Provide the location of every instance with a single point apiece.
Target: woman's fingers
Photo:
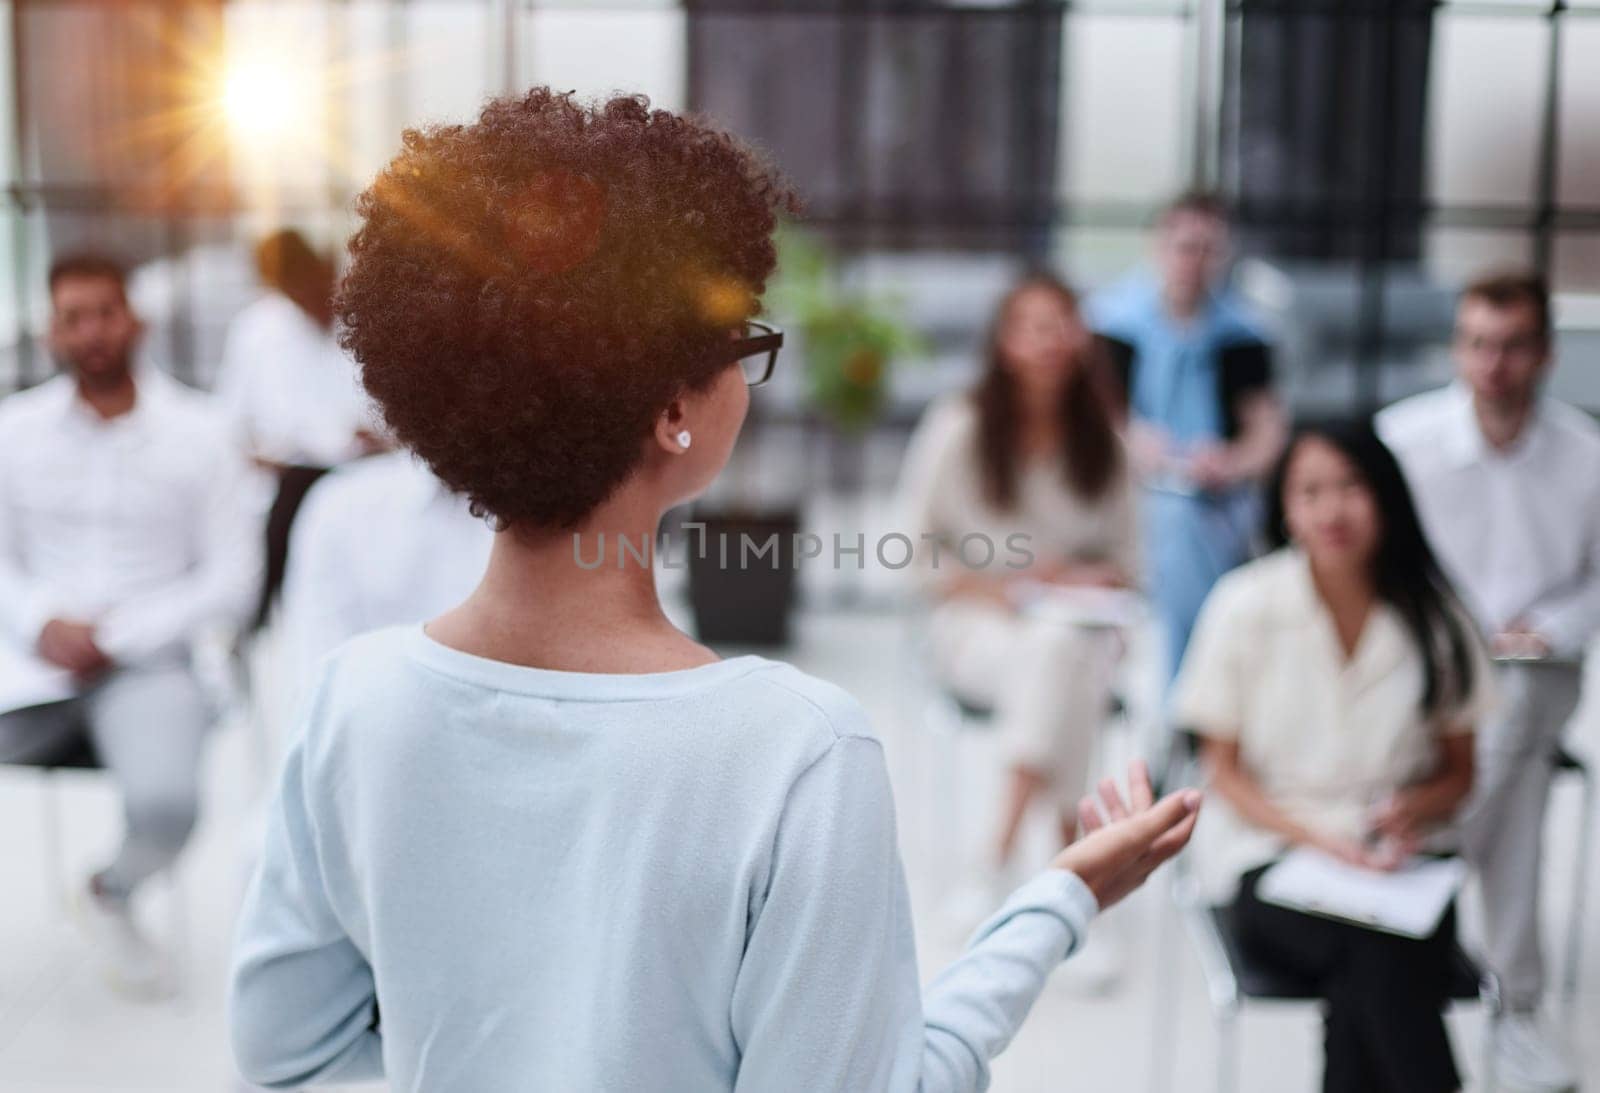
(1112, 800)
(1140, 795)
(1089, 818)
(1172, 814)
(1174, 838)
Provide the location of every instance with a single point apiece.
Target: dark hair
(526, 293)
(1510, 287)
(1090, 450)
(285, 261)
(1405, 572)
(1205, 203)
(90, 264)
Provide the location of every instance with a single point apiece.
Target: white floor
(61, 1030)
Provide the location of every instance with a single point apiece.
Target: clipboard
(26, 680)
(1409, 902)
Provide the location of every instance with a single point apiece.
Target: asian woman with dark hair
(1335, 684)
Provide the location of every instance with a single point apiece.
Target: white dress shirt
(292, 392)
(1519, 530)
(1325, 737)
(379, 542)
(134, 524)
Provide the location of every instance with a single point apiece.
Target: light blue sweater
(572, 881)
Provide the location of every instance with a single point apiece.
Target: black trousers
(294, 481)
(1384, 995)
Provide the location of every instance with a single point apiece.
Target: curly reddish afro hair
(528, 292)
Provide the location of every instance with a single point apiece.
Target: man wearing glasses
(1507, 481)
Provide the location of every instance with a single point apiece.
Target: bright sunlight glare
(261, 100)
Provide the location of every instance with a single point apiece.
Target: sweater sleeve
(828, 994)
(302, 1002)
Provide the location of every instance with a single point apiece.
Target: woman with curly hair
(546, 840)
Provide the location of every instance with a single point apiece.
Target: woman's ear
(672, 433)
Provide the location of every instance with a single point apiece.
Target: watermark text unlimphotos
(774, 550)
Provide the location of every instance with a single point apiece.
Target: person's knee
(162, 819)
(1065, 652)
(1385, 966)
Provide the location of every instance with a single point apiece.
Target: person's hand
(1398, 818)
(1384, 856)
(980, 587)
(1148, 448)
(71, 645)
(1211, 467)
(1085, 574)
(1123, 845)
(1519, 639)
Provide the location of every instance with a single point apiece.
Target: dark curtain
(903, 125)
(1330, 102)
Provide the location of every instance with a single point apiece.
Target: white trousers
(1502, 824)
(148, 725)
(1048, 683)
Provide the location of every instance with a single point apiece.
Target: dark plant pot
(749, 603)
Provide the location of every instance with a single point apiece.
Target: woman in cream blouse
(1335, 684)
(1024, 476)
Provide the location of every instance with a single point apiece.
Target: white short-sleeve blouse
(940, 502)
(1326, 737)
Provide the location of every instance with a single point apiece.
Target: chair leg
(55, 864)
(1168, 1012)
(178, 914)
(1580, 886)
(1489, 995)
(1228, 1050)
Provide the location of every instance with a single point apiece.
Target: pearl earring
(683, 438)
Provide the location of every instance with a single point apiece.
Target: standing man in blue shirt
(1203, 420)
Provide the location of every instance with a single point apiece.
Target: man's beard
(111, 374)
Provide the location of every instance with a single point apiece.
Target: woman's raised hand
(1124, 841)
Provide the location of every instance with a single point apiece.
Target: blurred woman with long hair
(1023, 477)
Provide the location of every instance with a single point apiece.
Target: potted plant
(844, 345)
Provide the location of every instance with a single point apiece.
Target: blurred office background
(1378, 152)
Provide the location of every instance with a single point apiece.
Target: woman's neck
(580, 600)
(1348, 593)
(1038, 428)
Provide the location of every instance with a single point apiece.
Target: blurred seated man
(380, 542)
(292, 392)
(1335, 684)
(1508, 484)
(122, 537)
(1204, 421)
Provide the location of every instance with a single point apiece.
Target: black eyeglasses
(756, 351)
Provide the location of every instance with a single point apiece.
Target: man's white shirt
(292, 392)
(379, 542)
(1517, 530)
(136, 524)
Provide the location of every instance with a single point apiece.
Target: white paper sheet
(25, 680)
(1113, 608)
(1409, 901)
